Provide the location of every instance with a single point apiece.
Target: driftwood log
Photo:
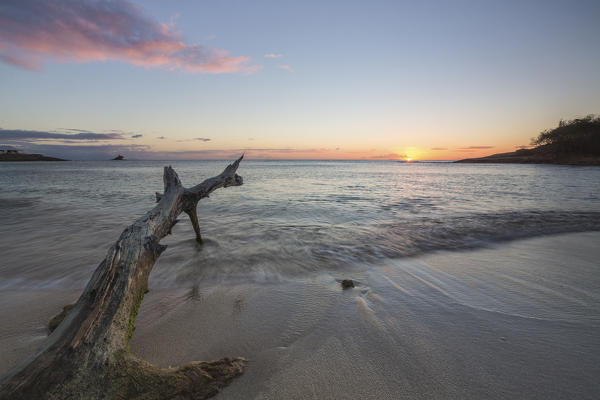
(87, 356)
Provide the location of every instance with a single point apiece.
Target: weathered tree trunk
(87, 355)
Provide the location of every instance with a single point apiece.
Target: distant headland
(12, 154)
(575, 142)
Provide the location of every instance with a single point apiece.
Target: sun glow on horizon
(409, 154)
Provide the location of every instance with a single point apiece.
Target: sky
(435, 80)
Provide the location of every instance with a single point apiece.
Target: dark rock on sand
(347, 283)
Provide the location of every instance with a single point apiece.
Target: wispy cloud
(86, 152)
(18, 60)
(99, 146)
(28, 135)
(476, 148)
(136, 136)
(439, 148)
(143, 152)
(82, 130)
(286, 67)
(273, 55)
(390, 156)
(99, 30)
(201, 139)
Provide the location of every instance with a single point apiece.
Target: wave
(413, 237)
(274, 249)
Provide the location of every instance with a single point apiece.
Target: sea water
(290, 218)
(472, 281)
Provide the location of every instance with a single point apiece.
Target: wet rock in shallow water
(347, 283)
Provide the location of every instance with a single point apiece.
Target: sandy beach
(520, 320)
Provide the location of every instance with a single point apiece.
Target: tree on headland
(577, 136)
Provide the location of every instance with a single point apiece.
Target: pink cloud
(273, 55)
(15, 59)
(286, 67)
(74, 31)
(476, 148)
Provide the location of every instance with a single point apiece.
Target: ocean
(289, 217)
(472, 281)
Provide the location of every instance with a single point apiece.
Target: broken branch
(87, 355)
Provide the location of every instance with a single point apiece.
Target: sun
(408, 154)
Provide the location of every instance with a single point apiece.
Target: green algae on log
(57, 319)
(87, 355)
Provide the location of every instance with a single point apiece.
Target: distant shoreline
(574, 142)
(27, 157)
(534, 156)
(500, 158)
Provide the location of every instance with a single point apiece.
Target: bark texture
(87, 355)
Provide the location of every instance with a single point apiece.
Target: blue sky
(363, 80)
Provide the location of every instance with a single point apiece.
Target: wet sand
(521, 320)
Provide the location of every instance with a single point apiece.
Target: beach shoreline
(519, 319)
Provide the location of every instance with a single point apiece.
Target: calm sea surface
(289, 218)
